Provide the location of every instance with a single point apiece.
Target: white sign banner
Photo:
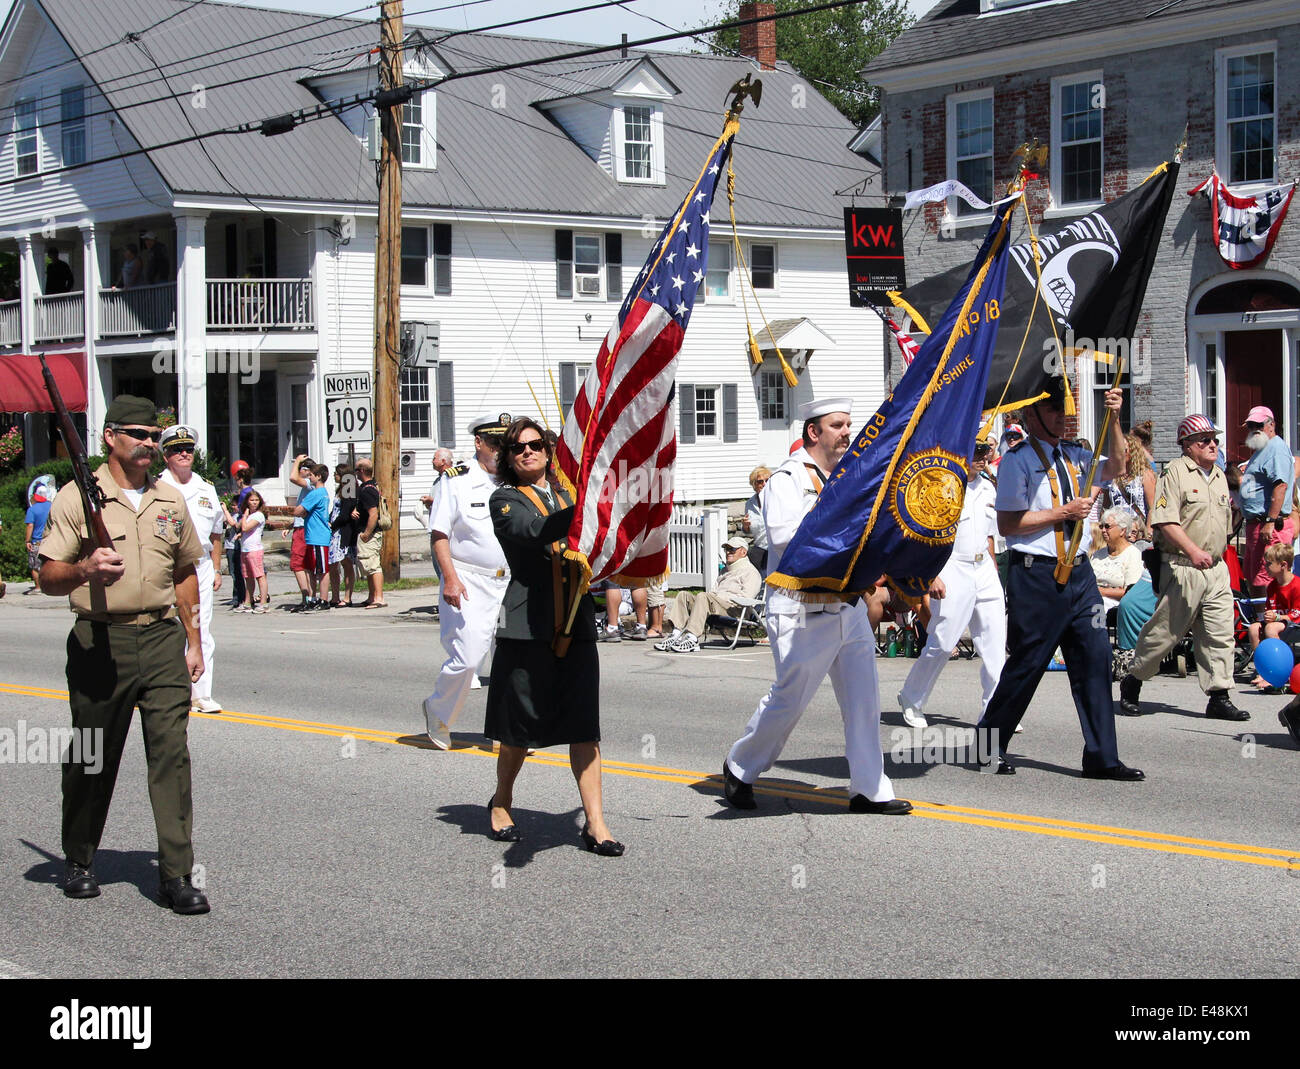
(950, 188)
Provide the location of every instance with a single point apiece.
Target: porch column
(29, 284)
(192, 324)
(96, 402)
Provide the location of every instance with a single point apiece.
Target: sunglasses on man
(138, 433)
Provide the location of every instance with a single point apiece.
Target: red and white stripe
(619, 445)
(906, 343)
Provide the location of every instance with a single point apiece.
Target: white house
(531, 198)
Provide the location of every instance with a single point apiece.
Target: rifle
(92, 495)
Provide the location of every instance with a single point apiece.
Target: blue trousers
(1042, 616)
(234, 560)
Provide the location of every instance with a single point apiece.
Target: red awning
(22, 387)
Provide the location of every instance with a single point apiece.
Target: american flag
(906, 342)
(619, 442)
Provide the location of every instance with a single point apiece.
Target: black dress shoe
(1116, 772)
(1130, 689)
(80, 882)
(1289, 718)
(895, 807)
(1002, 768)
(739, 793)
(183, 897)
(1220, 707)
(508, 834)
(608, 848)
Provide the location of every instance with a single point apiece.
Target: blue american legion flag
(892, 504)
(619, 443)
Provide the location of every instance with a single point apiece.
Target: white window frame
(20, 135)
(427, 101)
(1057, 174)
(428, 403)
(619, 122)
(70, 126)
(974, 218)
(1222, 142)
(702, 294)
(776, 267)
(716, 409)
(427, 285)
(599, 294)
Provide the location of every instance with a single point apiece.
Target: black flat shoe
(894, 807)
(80, 882)
(508, 834)
(609, 848)
(1122, 773)
(739, 793)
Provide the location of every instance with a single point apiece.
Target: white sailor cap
(813, 409)
(490, 423)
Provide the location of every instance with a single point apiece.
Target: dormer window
(419, 149)
(27, 146)
(639, 143)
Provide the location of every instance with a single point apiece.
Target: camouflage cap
(126, 409)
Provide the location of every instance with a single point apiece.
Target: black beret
(126, 409)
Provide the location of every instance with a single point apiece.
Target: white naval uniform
(811, 640)
(205, 513)
(974, 596)
(460, 511)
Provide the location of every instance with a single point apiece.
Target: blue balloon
(1274, 661)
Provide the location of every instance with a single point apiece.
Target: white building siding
(105, 190)
(589, 126)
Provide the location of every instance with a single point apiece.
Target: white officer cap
(489, 423)
(814, 409)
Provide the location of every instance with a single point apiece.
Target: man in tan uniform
(126, 647)
(1192, 519)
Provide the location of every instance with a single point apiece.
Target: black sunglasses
(535, 445)
(172, 450)
(983, 450)
(138, 433)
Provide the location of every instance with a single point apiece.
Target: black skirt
(536, 699)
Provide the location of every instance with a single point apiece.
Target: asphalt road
(332, 847)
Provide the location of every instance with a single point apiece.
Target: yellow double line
(984, 818)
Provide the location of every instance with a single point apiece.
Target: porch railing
(260, 304)
(60, 316)
(11, 322)
(139, 310)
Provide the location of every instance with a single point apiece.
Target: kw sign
(347, 408)
(873, 243)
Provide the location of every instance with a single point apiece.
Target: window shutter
(686, 406)
(564, 263)
(442, 258)
(568, 386)
(446, 406)
(613, 267)
(730, 413)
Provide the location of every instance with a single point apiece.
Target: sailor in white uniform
(178, 444)
(812, 639)
(474, 576)
(968, 593)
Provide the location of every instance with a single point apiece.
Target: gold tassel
(754, 353)
(791, 379)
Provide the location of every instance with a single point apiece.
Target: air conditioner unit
(589, 285)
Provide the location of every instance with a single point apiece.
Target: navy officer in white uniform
(812, 639)
(1039, 500)
(474, 576)
(966, 592)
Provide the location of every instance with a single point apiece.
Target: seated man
(688, 613)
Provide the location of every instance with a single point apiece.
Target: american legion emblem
(925, 496)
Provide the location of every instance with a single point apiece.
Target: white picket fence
(695, 537)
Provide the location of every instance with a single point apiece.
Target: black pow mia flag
(1095, 270)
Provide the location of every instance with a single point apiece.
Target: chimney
(624, 46)
(758, 40)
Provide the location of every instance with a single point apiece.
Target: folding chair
(751, 617)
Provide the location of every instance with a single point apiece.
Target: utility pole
(388, 277)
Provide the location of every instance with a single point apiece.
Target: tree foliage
(830, 48)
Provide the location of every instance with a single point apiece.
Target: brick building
(1110, 86)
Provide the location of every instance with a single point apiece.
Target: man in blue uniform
(1039, 501)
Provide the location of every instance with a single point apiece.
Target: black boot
(1220, 707)
(1130, 689)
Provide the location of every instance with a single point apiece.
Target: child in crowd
(343, 537)
(250, 525)
(1282, 605)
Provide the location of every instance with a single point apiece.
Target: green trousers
(111, 669)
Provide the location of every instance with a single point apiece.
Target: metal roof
(957, 28)
(790, 155)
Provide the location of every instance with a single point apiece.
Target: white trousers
(468, 635)
(807, 648)
(974, 599)
(208, 644)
